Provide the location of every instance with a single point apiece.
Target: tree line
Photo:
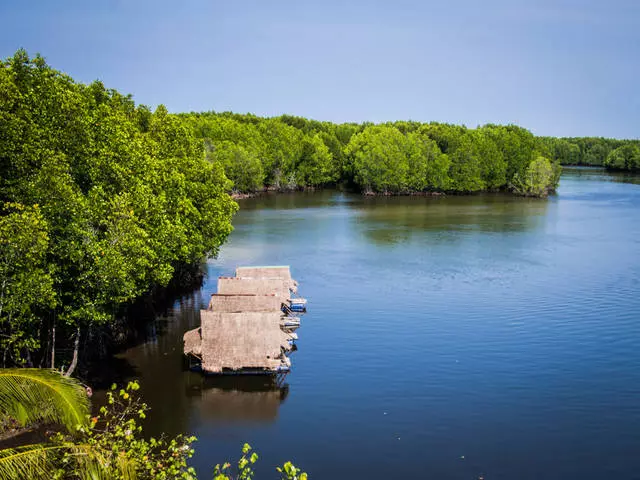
(101, 201)
(610, 153)
(288, 152)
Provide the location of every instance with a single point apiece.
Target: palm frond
(32, 394)
(39, 461)
(30, 461)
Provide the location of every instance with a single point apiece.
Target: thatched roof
(264, 272)
(243, 329)
(241, 340)
(245, 303)
(283, 272)
(254, 286)
(193, 342)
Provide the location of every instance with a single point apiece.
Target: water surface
(447, 337)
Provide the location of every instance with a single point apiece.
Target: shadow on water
(178, 394)
(236, 399)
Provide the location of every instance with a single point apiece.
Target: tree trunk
(74, 361)
(53, 344)
(28, 356)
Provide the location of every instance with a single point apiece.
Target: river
(448, 337)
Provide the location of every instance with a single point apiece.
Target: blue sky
(557, 67)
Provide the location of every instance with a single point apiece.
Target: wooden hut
(244, 329)
(242, 341)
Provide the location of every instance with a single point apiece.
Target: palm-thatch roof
(193, 342)
(254, 286)
(233, 341)
(245, 303)
(282, 272)
(243, 328)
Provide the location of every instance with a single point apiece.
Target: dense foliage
(394, 158)
(607, 152)
(109, 445)
(100, 200)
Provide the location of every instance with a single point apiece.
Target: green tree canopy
(626, 157)
(380, 159)
(124, 196)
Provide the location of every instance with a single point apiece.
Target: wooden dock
(248, 327)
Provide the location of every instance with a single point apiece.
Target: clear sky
(557, 67)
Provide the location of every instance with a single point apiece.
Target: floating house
(248, 327)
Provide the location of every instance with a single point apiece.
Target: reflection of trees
(171, 390)
(600, 175)
(624, 177)
(288, 201)
(394, 220)
(237, 399)
(156, 359)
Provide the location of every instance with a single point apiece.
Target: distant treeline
(405, 157)
(594, 151)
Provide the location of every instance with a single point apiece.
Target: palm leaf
(41, 460)
(31, 394)
(30, 461)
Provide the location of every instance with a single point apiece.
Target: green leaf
(31, 395)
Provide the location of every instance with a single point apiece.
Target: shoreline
(371, 194)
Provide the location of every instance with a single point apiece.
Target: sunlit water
(452, 337)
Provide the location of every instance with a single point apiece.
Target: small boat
(291, 322)
(298, 307)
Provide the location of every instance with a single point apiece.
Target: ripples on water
(447, 338)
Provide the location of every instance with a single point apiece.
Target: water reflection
(433, 321)
(236, 399)
(177, 395)
(399, 219)
(292, 201)
(598, 174)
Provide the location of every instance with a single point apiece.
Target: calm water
(446, 338)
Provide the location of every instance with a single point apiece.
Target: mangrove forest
(104, 202)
